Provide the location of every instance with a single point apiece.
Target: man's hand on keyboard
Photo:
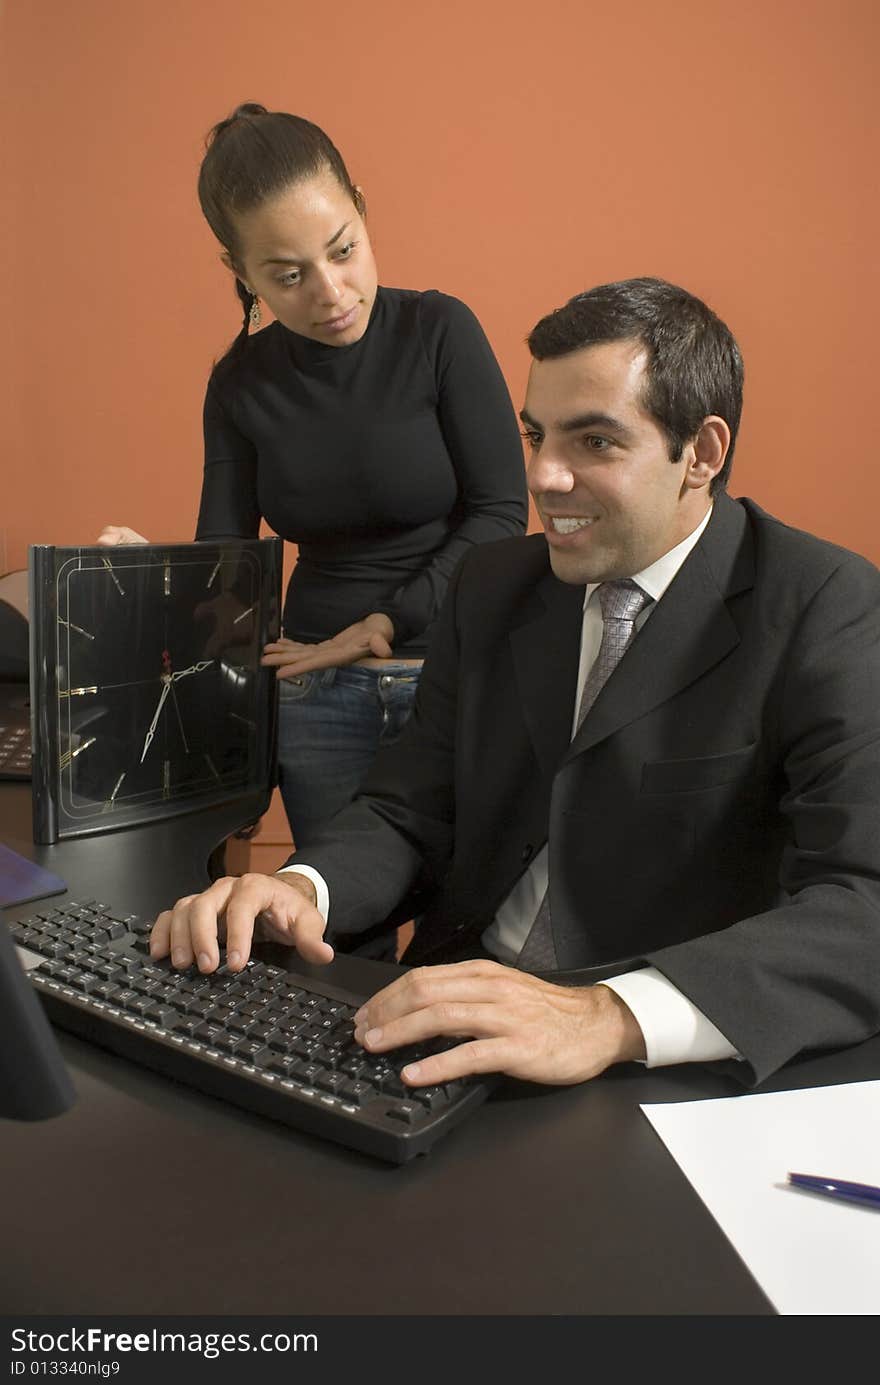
(238, 908)
(519, 1024)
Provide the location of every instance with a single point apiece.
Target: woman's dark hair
(694, 365)
(255, 154)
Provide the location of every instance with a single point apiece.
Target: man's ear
(707, 452)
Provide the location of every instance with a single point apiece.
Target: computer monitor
(34, 1083)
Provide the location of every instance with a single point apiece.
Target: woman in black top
(370, 426)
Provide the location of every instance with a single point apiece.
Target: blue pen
(863, 1193)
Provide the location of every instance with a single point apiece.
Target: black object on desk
(148, 696)
(273, 1041)
(22, 881)
(34, 1083)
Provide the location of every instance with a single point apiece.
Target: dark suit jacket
(717, 815)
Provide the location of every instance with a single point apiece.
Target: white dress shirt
(675, 1031)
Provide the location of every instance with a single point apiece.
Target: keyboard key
(283, 1064)
(97, 935)
(253, 1008)
(325, 1056)
(28, 937)
(261, 1058)
(406, 1111)
(353, 1065)
(154, 1012)
(331, 1082)
(431, 1097)
(189, 1024)
(240, 1024)
(358, 1093)
(153, 972)
(143, 985)
(262, 1031)
(220, 1013)
(208, 1033)
(393, 1086)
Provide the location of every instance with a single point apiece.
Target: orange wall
(512, 152)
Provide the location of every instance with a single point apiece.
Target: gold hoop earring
(255, 317)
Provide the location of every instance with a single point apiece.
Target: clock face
(160, 702)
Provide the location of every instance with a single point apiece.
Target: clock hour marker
(214, 573)
(167, 579)
(116, 786)
(166, 779)
(69, 755)
(109, 566)
(212, 768)
(248, 612)
(78, 628)
(77, 692)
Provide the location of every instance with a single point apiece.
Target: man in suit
(667, 706)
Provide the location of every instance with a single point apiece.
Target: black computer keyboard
(266, 1039)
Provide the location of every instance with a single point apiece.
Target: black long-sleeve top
(384, 461)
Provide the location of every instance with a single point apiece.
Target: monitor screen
(34, 1082)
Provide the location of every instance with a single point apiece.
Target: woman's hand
(117, 533)
(369, 638)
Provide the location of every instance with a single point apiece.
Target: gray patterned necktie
(621, 604)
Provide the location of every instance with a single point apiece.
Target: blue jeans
(330, 725)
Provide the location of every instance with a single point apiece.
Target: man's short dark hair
(694, 367)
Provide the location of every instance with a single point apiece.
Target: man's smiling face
(610, 499)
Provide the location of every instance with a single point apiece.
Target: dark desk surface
(148, 1198)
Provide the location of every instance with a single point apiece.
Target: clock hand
(194, 668)
(166, 681)
(180, 720)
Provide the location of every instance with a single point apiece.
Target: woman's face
(307, 254)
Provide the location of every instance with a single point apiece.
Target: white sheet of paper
(809, 1254)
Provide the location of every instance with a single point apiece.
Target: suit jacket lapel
(689, 632)
(546, 653)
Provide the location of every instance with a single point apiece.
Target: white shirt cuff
(675, 1031)
(320, 884)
